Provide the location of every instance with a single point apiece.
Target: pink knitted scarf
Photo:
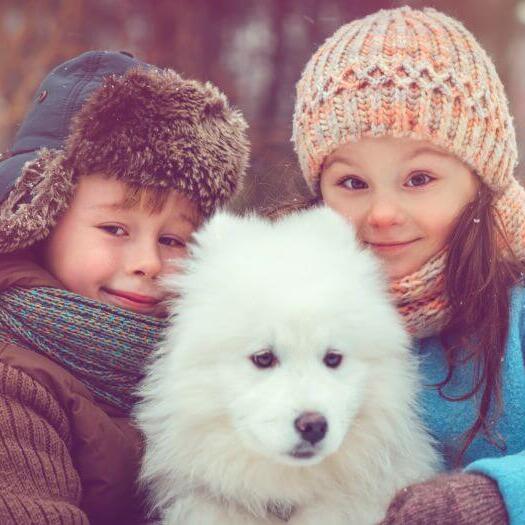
(421, 298)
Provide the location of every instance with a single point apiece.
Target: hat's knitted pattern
(405, 73)
(418, 74)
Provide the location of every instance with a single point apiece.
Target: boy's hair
(106, 112)
(149, 198)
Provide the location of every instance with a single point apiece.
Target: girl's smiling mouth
(390, 246)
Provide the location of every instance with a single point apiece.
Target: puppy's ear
(324, 223)
(229, 231)
(218, 229)
(212, 237)
(326, 218)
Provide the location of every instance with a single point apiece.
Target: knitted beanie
(405, 73)
(108, 112)
(409, 73)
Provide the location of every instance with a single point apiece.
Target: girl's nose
(385, 211)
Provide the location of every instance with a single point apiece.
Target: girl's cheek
(356, 218)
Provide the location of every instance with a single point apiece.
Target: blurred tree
(254, 50)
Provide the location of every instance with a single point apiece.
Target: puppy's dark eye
(264, 359)
(332, 359)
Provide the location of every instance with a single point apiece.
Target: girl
(402, 125)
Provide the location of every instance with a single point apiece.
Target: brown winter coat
(64, 458)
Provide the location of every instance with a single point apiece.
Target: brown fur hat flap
(40, 194)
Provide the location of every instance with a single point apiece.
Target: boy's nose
(385, 211)
(148, 262)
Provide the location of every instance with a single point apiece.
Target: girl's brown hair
(480, 270)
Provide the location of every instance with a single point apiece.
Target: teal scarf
(105, 347)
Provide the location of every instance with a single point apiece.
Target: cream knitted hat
(405, 73)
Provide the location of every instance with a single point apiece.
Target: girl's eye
(264, 359)
(332, 359)
(353, 183)
(172, 242)
(113, 229)
(419, 179)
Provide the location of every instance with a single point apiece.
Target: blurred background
(254, 50)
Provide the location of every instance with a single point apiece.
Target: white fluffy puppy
(284, 390)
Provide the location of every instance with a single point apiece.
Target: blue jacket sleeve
(509, 473)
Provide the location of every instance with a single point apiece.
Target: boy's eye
(353, 183)
(172, 242)
(113, 229)
(419, 179)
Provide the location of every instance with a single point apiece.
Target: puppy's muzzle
(312, 426)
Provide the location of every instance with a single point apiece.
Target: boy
(112, 170)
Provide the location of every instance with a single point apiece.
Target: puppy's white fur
(220, 431)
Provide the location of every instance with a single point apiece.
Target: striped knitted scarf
(421, 299)
(105, 347)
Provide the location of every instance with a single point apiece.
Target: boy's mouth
(138, 299)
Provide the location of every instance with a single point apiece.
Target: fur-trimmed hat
(109, 112)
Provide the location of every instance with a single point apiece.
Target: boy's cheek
(162, 311)
(174, 265)
(164, 307)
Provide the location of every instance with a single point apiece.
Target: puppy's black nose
(312, 426)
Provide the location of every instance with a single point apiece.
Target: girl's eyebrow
(340, 159)
(426, 150)
(423, 150)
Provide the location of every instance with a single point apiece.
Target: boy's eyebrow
(118, 206)
(189, 219)
(107, 206)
